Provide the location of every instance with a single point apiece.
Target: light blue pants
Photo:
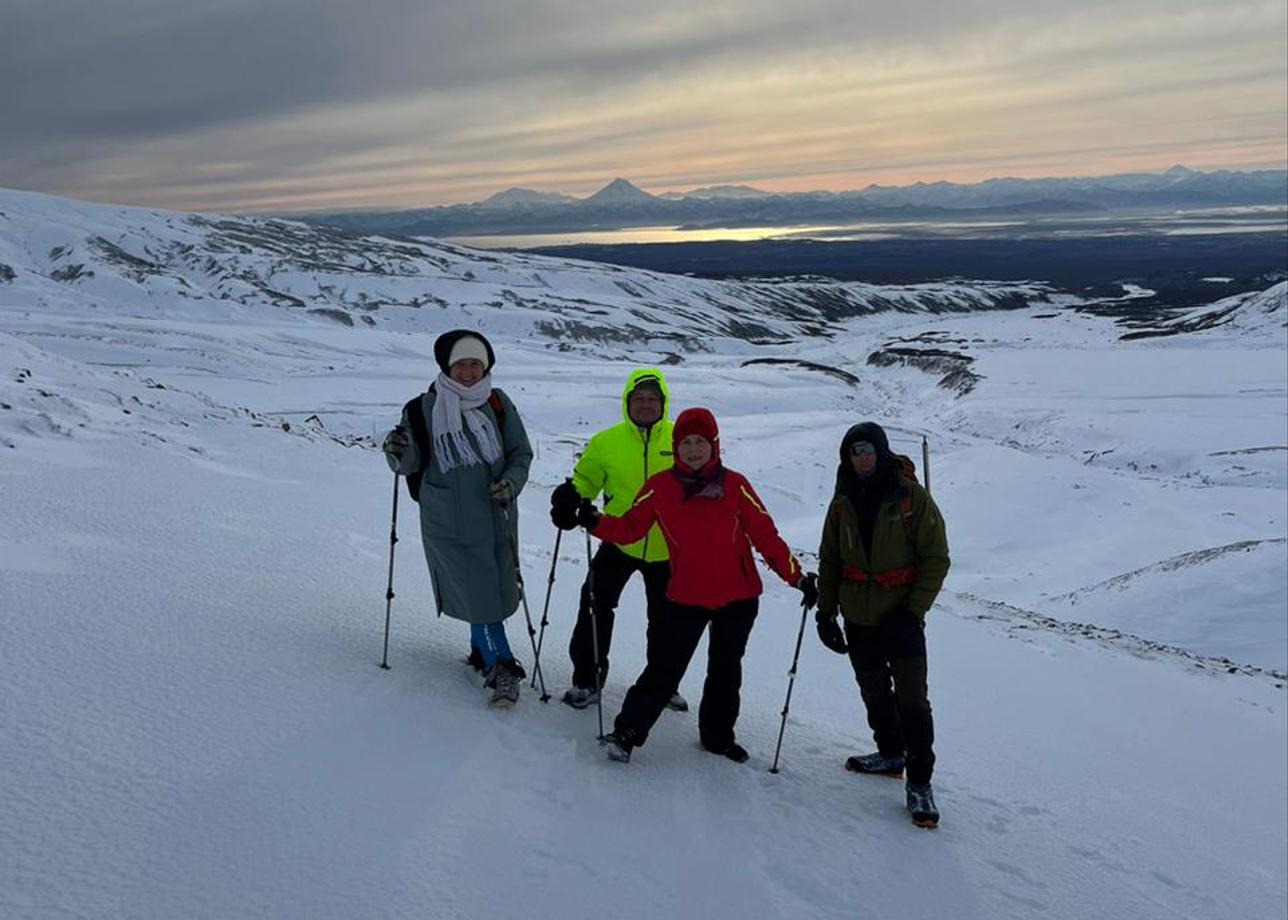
(490, 640)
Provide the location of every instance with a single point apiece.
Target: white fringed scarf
(457, 407)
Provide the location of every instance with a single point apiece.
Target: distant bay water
(1241, 220)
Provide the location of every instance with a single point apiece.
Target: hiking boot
(580, 697)
(876, 763)
(618, 746)
(921, 804)
(504, 680)
(475, 660)
(677, 703)
(733, 750)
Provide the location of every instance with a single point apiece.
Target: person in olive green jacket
(882, 560)
(616, 462)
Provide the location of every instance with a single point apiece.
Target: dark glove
(563, 505)
(501, 493)
(808, 587)
(829, 632)
(587, 516)
(396, 443)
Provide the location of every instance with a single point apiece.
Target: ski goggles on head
(862, 448)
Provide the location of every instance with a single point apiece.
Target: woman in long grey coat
(469, 454)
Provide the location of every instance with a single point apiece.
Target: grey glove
(501, 493)
(396, 443)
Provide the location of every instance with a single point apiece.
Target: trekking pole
(925, 463)
(389, 589)
(791, 682)
(594, 636)
(523, 596)
(545, 608)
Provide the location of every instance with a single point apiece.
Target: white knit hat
(468, 346)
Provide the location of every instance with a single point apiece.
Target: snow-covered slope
(1242, 316)
(193, 554)
(145, 262)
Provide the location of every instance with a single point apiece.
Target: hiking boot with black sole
(617, 748)
(876, 764)
(733, 750)
(580, 697)
(921, 805)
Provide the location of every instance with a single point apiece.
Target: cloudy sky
(288, 105)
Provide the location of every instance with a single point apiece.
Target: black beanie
(444, 343)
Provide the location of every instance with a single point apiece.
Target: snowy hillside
(1258, 313)
(193, 555)
(149, 261)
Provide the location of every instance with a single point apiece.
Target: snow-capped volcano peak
(621, 191)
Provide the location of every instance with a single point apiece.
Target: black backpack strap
(415, 412)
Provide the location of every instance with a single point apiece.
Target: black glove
(587, 516)
(829, 632)
(808, 587)
(563, 505)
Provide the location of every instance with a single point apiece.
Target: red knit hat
(697, 421)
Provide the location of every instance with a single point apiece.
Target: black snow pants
(611, 569)
(668, 659)
(890, 666)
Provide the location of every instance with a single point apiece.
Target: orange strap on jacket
(894, 578)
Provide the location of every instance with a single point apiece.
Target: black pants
(668, 659)
(890, 666)
(611, 569)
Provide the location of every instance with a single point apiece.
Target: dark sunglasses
(859, 448)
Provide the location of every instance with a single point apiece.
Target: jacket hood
(638, 376)
(701, 422)
(846, 479)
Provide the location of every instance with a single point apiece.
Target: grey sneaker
(617, 747)
(876, 763)
(677, 703)
(580, 697)
(921, 804)
(504, 680)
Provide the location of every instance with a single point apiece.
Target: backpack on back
(909, 470)
(415, 412)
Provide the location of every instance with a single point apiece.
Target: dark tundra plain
(1180, 270)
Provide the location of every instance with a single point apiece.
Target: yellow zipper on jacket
(648, 433)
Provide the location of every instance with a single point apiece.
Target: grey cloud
(91, 68)
(248, 85)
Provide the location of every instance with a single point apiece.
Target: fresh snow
(195, 543)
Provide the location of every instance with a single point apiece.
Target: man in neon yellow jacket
(616, 462)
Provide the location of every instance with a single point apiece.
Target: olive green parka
(917, 539)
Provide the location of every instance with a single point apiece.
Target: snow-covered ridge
(1255, 315)
(53, 249)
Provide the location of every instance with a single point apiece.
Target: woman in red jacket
(710, 518)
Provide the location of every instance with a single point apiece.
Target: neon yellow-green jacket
(617, 460)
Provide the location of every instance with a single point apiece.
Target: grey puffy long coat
(470, 554)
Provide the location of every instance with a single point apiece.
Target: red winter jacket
(709, 539)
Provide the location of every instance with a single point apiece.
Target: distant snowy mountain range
(52, 249)
(622, 204)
